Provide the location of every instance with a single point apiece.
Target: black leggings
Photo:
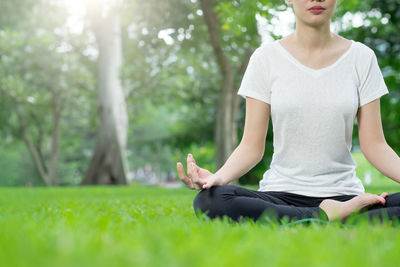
(238, 202)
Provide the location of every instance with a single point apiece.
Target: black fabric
(238, 202)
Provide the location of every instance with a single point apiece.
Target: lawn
(151, 226)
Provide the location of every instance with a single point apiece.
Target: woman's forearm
(242, 159)
(384, 159)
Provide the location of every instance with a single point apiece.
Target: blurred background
(116, 92)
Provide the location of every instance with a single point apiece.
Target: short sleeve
(255, 79)
(372, 85)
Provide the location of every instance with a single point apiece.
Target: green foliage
(141, 226)
(160, 135)
(172, 90)
(204, 155)
(43, 68)
(16, 165)
(37, 77)
(10, 164)
(239, 24)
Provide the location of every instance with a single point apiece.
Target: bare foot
(342, 209)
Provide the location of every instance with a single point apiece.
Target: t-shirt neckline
(314, 72)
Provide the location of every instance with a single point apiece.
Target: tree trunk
(225, 134)
(108, 163)
(55, 139)
(228, 102)
(34, 150)
(37, 159)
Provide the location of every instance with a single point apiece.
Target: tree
(108, 163)
(232, 30)
(43, 79)
(37, 84)
(238, 18)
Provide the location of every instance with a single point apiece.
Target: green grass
(149, 226)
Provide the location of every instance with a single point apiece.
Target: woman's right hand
(198, 178)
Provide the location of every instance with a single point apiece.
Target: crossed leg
(236, 202)
(390, 211)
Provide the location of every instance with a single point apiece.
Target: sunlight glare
(77, 11)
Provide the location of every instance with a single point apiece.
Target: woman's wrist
(222, 180)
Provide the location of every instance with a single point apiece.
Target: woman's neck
(313, 38)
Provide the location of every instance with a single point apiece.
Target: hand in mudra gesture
(198, 178)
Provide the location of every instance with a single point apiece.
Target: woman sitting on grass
(313, 83)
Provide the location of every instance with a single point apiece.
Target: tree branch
(38, 159)
(212, 23)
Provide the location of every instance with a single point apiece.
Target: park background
(170, 80)
(114, 92)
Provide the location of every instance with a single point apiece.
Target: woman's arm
(373, 143)
(246, 155)
(251, 147)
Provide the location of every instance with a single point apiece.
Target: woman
(313, 83)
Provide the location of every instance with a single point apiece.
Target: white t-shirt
(313, 114)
